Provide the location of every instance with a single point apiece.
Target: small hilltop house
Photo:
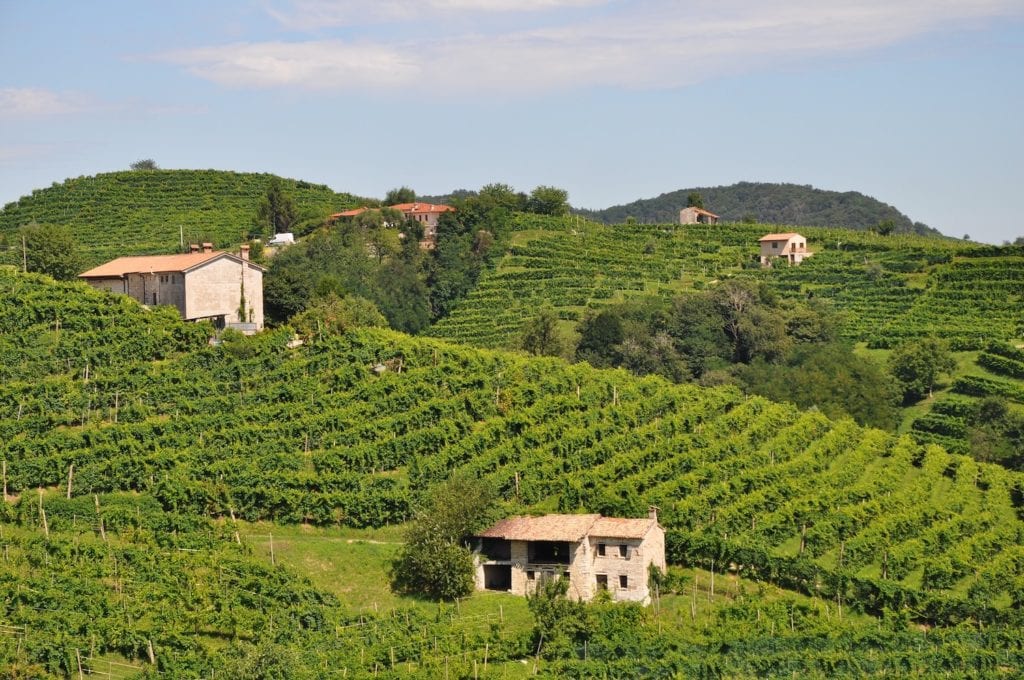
(694, 215)
(202, 284)
(593, 552)
(427, 214)
(791, 247)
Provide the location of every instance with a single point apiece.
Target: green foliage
(50, 249)
(400, 195)
(276, 212)
(694, 199)
(144, 164)
(541, 335)
(334, 314)
(434, 562)
(918, 365)
(548, 200)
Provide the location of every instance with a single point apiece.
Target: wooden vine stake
(5, 478)
(42, 514)
(71, 475)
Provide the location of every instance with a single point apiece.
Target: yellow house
(790, 246)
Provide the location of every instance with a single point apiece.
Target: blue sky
(918, 103)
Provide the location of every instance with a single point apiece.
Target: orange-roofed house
(791, 247)
(202, 284)
(694, 215)
(593, 552)
(427, 214)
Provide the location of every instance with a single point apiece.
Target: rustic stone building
(202, 284)
(426, 214)
(694, 215)
(791, 247)
(593, 552)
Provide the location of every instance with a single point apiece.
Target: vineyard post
(78, 657)
(273, 562)
(5, 479)
(71, 475)
(96, 500)
(24, 255)
(42, 514)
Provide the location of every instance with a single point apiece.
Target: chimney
(244, 252)
(207, 247)
(652, 512)
(193, 247)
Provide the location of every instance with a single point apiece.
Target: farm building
(694, 215)
(791, 247)
(202, 284)
(593, 552)
(427, 214)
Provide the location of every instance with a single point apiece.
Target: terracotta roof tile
(779, 237)
(544, 528)
(619, 527)
(150, 263)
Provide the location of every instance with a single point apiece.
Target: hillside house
(694, 215)
(202, 284)
(594, 552)
(791, 247)
(427, 214)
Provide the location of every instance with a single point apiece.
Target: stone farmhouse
(593, 552)
(427, 214)
(202, 284)
(790, 246)
(693, 215)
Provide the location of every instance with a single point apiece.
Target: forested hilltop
(150, 211)
(769, 203)
(135, 454)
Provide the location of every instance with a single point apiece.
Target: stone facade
(203, 284)
(693, 215)
(592, 552)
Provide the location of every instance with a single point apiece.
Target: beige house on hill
(693, 215)
(593, 552)
(202, 284)
(790, 246)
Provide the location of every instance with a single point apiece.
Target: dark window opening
(565, 575)
(497, 577)
(549, 552)
(623, 551)
(623, 581)
(600, 549)
(602, 581)
(496, 549)
(530, 574)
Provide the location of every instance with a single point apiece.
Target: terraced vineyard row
(142, 212)
(314, 434)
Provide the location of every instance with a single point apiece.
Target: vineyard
(126, 416)
(147, 212)
(888, 288)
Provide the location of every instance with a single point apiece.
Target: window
(600, 549)
(624, 551)
(565, 575)
(602, 581)
(775, 245)
(623, 581)
(530, 575)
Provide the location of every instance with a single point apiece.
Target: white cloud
(316, 14)
(645, 44)
(33, 102)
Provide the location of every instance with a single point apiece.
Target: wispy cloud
(318, 14)
(645, 44)
(33, 102)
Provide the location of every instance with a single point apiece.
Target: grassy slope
(144, 212)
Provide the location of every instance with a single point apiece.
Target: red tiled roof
(421, 208)
(619, 527)
(150, 263)
(349, 213)
(544, 528)
(702, 211)
(568, 528)
(779, 237)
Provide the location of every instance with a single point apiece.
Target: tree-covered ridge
(147, 211)
(888, 288)
(768, 203)
(314, 434)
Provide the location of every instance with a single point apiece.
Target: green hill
(149, 211)
(146, 454)
(889, 288)
(768, 203)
